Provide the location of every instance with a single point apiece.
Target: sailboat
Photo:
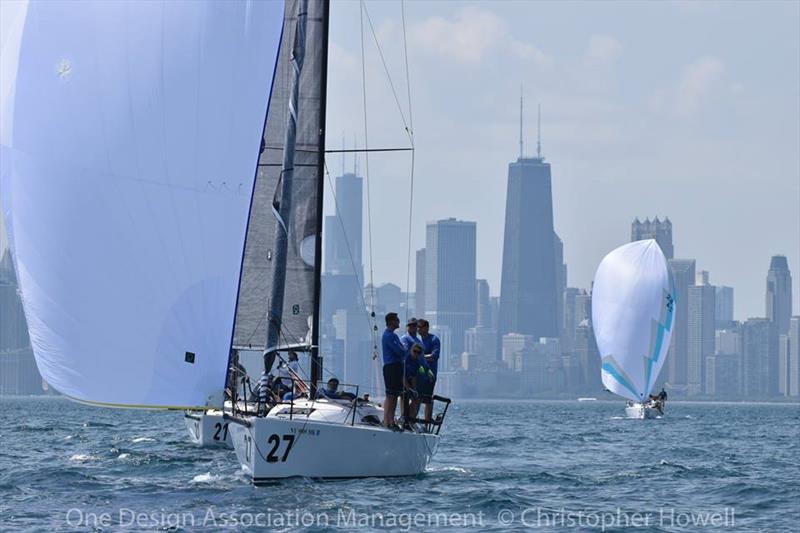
(633, 311)
(162, 177)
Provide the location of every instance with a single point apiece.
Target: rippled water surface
(501, 466)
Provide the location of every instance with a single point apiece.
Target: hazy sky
(689, 110)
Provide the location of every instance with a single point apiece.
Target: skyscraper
(784, 360)
(569, 320)
(683, 275)
(700, 334)
(450, 294)
(723, 305)
(587, 357)
(343, 314)
(344, 230)
(779, 294)
(759, 346)
(793, 380)
(529, 285)
(484, 307)
(420, 283)
(656, 229)
(561, 282)
(481, 340)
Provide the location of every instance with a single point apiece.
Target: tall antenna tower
(539, 133)
(521, 145)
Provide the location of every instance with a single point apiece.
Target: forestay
(130, 135)
(303, 217)
(632, 314)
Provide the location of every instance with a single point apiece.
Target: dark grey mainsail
(301, 213)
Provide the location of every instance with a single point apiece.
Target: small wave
(123, 456)
(34, 428)
(448, 469)
(208, 477)
(143, 439)
(82, 458)
(664, 462)
(97, 425)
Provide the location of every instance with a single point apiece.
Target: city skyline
(636, 124)
(711, 356)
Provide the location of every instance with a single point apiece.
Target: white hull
(641, 411)
(208, 429)
(325, 443)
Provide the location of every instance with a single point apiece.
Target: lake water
(503, 466)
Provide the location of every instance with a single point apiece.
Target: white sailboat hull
(317, 445)
(208, 429)
(641, 411)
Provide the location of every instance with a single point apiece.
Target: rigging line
(408, 73)
(360, 150)
(410, 221)
(413, 153)
(386, 69)
(349, 249)
(366, 158)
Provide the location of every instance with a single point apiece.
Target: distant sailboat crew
(633, 310)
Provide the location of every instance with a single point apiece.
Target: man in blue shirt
(332, 392)
(393, 356)
(431, 349)
(411, 338)
(416, 374)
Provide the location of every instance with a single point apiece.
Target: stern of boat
(208, 429)
(326, 441)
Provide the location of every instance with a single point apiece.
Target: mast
(316, 360)
(282, 203)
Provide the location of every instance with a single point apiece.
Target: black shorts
(393, 378)
(426, 391)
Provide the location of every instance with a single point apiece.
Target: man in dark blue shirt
(432, 347)
(416, 374)
(393, 356)
(332, 392)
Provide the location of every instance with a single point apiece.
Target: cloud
(698, 80)
(470, 35)
(603, 49)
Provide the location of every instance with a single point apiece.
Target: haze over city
(684, 110)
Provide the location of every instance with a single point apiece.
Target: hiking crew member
(416, 374)
(431, 348)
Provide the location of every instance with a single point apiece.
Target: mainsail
(129, 138)
(632, 314)
(302, 219)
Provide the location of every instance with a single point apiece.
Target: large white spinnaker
(632, 315)
(129, 140)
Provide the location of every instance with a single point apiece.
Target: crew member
(431, 348)
(416, 374)
(411, 338)
(393, 356)
(332, 392)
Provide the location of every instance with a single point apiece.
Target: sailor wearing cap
(411, 338)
